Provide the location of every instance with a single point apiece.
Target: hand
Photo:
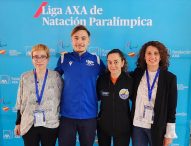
(167, 141)
(17, 130)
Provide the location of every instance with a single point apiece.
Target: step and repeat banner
(123, 24)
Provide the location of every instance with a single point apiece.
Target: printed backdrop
(123, 24)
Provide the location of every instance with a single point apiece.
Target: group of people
(64, 103)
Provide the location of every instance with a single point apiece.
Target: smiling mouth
(39, 64)
(152, 61)
(80, 46)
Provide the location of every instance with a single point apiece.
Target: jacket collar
(76, 54)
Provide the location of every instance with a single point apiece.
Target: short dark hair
(78, 28)
(118, 51)
(163, 51)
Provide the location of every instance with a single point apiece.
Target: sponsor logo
(14, 53)
(63, 47)
(2, 44)
(70, 63)
(28, 50)
(5, 108)
(89, 63)
(124, 93)
(130, 48)
(2, 51)
(17, 136)
(7, 134)
(181, 114)
(4, 79)
(181, 87)
(94, 50)
(131, 54)
(104, 52)
(52, 51)
(4, 102)
(180, 53)
(40, 9)
(14, 109)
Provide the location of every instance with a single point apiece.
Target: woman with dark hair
(154, 97)
(114, 89)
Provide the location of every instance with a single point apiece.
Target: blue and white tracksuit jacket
(80, 73)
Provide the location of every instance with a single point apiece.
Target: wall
(124, 24)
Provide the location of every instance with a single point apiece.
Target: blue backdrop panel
(124, 24)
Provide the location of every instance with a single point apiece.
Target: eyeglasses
(41, 58)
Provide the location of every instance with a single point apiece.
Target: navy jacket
(80, 73)
(114, 116)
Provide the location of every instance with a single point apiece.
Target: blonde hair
(39, 47)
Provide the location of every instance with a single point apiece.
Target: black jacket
(114, 115)
(165, 103)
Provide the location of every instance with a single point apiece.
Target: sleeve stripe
(98, 59)
(62, 58)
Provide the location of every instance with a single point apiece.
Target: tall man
(79, 100)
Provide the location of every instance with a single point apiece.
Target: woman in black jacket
(114, 89)
(154, 97)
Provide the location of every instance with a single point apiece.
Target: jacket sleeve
(129, 76)
(19, 101)
(98, 87)
(102, 67)
(131, 88)
(59, 65)
(172, 100)
(18, 120)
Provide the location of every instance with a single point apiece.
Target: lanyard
(39, 97)
(150, 88)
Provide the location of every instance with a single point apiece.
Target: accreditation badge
(39, 118)
(148, 114)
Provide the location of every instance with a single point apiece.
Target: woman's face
(115, 64)
(152, 57)
(39, 59)
(80, 41)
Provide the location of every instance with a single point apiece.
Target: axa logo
(89, 63)
(7, 134)
(4, 79)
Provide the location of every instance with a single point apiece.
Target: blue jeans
(141, 136)
(68, 129)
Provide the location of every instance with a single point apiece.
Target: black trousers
(37, 135)
(105, 139)
(86, 129)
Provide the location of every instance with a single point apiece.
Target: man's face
(80, 41)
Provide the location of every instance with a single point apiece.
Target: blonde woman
(38, 101)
